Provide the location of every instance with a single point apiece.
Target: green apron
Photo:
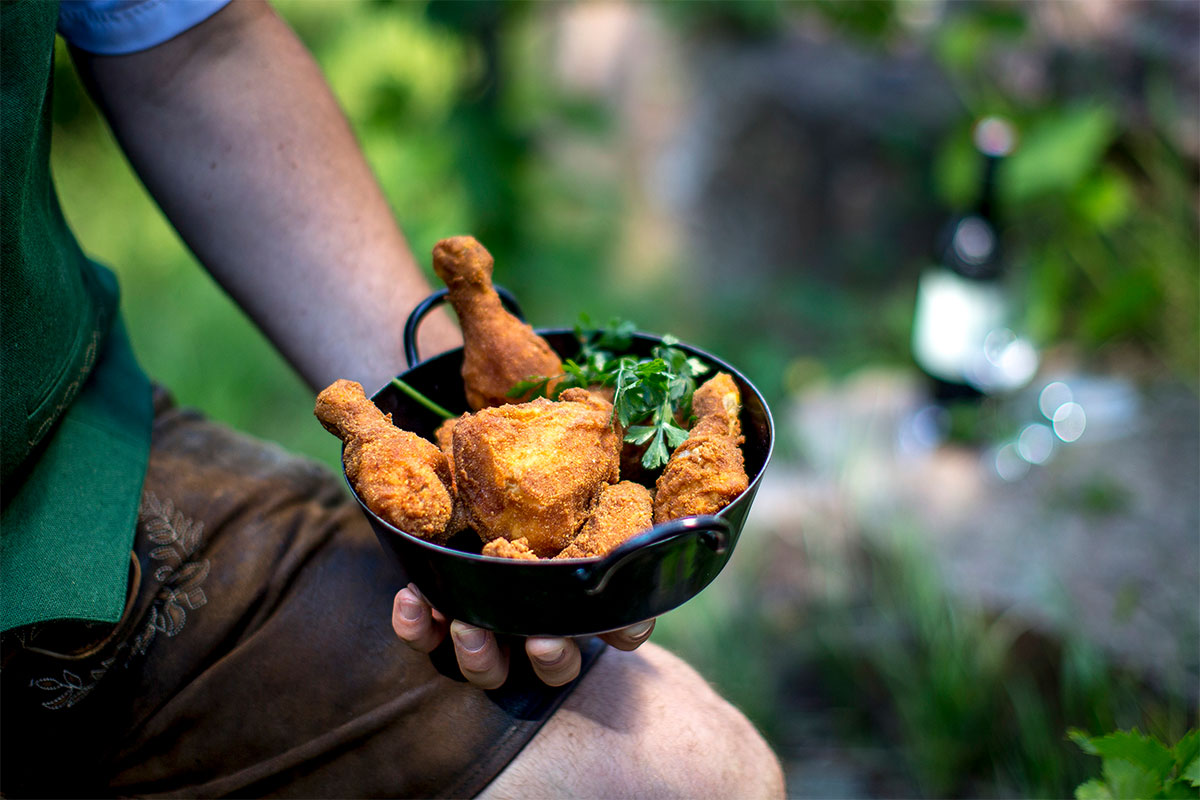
(76, 407)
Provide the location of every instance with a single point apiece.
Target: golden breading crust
(400, 476)
(499, 351)
(624, 510)
(707, 471)
(535, 469)
(716, 404)
(444, 435)
(503, 548)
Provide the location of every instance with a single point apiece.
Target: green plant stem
(422, 399)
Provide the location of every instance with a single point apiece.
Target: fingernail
(410, 609)
(470, 639)
(641, 630)
(551, 657)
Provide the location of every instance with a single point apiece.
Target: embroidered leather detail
(71, 688)
(175, 539)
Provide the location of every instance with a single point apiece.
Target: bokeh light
(1069, 421)
(1008, 463)
(974, 240)
(1036, 443)
(1052, 396)
(995, 136)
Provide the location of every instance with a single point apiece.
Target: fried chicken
(535, 470)
(499, 351)
(444, 436)
(717, 404)
(707, 471)
(624, 510)
(400, 476)
(503, 548)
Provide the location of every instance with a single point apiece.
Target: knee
(644, 724)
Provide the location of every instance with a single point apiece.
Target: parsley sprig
(653, 392)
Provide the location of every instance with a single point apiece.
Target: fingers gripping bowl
(648, 575)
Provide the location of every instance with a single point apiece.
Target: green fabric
(67, 533)
(75, 409)
(55, 311)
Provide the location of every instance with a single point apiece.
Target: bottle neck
(969, 245)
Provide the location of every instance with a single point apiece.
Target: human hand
(483, 660)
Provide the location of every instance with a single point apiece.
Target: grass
(962, 700)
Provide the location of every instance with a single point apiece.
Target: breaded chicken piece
(499, 350)
(624, 510)
(707, 471)
(535, 469)
(716, 404)
(444, 436)
(503, 548)
(400, 476)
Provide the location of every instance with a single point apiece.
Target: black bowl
(646, 576)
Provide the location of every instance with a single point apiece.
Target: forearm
(233, 130)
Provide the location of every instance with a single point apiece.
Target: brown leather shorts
(256, 655)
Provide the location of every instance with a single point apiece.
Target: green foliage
(654, 392)
(975, 703)
(1058, 150)
(1135, 765)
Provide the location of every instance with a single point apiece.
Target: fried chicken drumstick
(499, 351)
(707, 471)
(400, 476)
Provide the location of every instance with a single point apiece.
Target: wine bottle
(962, 336)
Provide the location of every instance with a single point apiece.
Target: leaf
(1082, 740)
(529, 389)
(1191, 773)
(639, 434)
(166, 553)
(1133, 747)
(656, 455)
(1105, 200)
(1092, 790)
(1127, 780)
(675, 435)
(63, 699)
(1178, 790)
(1058, 152)
(1186, 751)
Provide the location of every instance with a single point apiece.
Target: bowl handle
(712, 531)
(433, 301)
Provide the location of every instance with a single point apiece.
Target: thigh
(643, 724)
(257, 657)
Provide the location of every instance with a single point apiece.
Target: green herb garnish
(422, 399)
(651, 391)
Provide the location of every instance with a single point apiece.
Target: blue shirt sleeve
(117, 27)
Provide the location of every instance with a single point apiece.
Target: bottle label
(953, 319)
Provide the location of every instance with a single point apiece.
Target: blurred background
(959, 552)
